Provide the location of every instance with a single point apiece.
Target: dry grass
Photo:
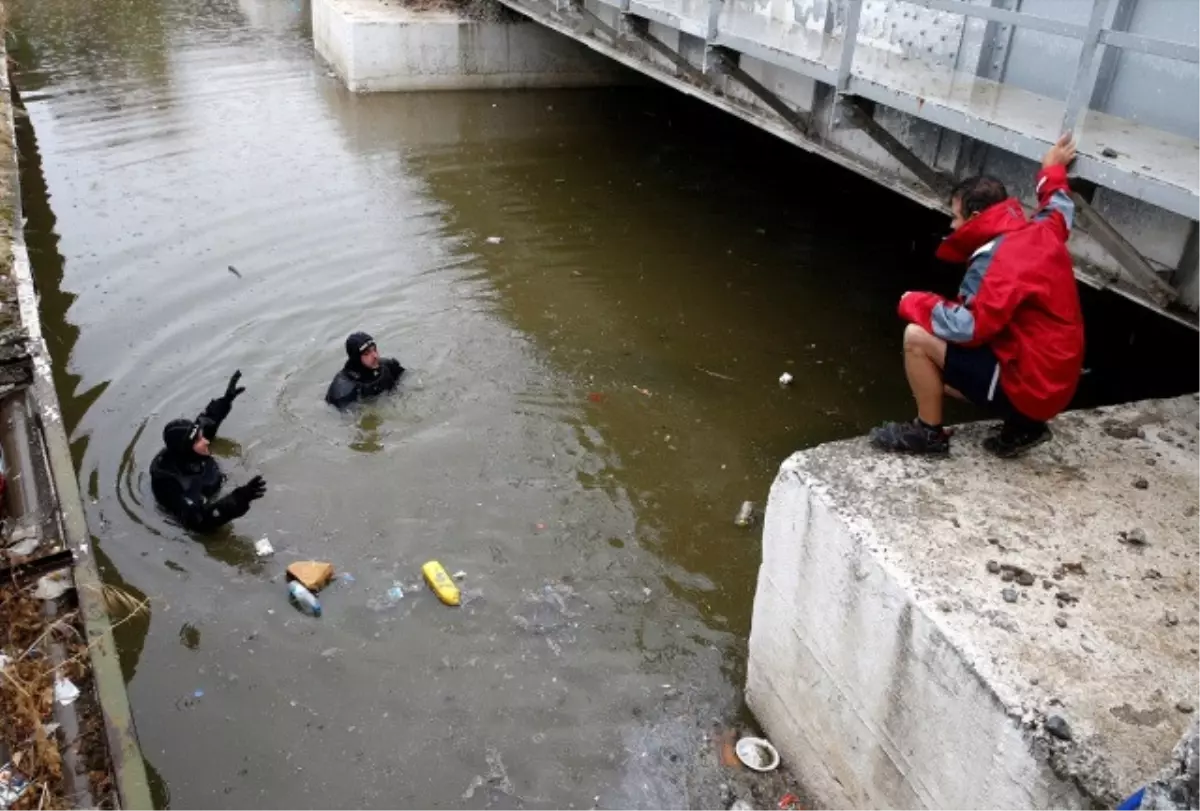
(27, 689)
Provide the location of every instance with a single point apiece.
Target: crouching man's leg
(924, 359)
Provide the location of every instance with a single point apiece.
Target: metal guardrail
(1093, 36)
(1141, 180)
(1120, 39)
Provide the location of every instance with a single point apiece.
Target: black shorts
(975, 373)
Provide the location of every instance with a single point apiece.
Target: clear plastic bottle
(304, 599)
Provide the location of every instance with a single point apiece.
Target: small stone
(1118, 430)
(1171, 618)
(994, 541)
(1010, 595)
(1151, 462)
(1035, 681)
(1135, 537)
(1152, 574)
(1060, 621)
(1008, 575)
(1066, 597)
(1087, 647)
(1058, 727)
(1185, 707)
(945, 606)
(993, 567)
(1047, 584)
(1141, 484)
(1025, 579)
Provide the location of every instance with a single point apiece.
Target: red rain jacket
(1018, 297)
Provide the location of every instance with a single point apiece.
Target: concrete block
(376, 45)
(890, 670)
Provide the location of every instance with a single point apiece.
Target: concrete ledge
(891, 670)
(376, 45)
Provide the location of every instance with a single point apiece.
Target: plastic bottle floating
(441, 583)
(304, 599)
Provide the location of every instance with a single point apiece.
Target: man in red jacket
(1013, 339)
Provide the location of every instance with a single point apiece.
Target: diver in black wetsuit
(186, 479)
(365, 374)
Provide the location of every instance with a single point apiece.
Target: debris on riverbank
(30, 734)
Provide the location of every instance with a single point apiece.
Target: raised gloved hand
(233, 389)
(252, 490)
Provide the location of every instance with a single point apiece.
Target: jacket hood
(981, 229)
(356, 344)
(180, 435)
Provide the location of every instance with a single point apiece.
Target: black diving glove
(252, 490)
(233, 389)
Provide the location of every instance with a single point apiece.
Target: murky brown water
(590, 401)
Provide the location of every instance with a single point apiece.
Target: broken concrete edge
(129, 769)
(858, 675)
(1176, 786)
(1065, 759)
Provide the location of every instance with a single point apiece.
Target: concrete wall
(865, 697)
(893, 661)
(374, 46)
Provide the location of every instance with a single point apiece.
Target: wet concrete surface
(590, 399)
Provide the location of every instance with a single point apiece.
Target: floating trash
(12, 785)
(303, 599)
(441, 583)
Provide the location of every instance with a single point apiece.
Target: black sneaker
(910, 437)
(1012, 440)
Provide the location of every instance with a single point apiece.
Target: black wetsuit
(355, 382)
(186, 484)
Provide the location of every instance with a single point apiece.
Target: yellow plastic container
(441, 583)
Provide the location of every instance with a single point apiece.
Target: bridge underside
(927, 94)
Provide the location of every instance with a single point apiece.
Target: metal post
(996, 41)
(1120, 15)
(714, 18)
(1085, 77)
(853, 12)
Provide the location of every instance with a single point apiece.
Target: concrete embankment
(81, 752)
(970, 632)
(376, 45)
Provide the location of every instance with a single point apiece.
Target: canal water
(595, 293)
